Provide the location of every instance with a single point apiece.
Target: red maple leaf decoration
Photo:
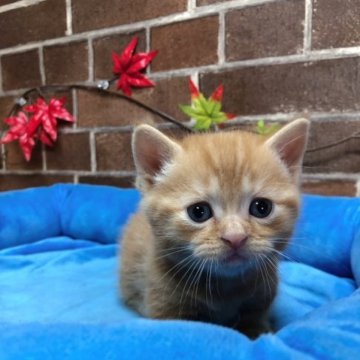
(128, 67)
(42, 125)
(46, 115)
(19, 130)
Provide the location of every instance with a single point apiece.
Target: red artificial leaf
(45, 139)
(18, 127)
(217, 95)
(27, 144)
(42, 125)
(19, 130)
(194, 91)
(140, 80)
(141, 61)
(128, 67)
(46, 115)
(230, 116)
(125, 57)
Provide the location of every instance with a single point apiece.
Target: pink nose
(234, 240)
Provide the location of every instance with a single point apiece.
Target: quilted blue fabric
(58, 285)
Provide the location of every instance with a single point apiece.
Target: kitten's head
(226, 196)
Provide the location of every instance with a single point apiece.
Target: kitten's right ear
(290, 143)
(152, 150)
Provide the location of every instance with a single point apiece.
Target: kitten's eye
(200, 212)
(260, 207)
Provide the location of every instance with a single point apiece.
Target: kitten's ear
(290, 144)
(152, 150)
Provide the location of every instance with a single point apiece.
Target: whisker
(273, 266)
(267, 280)
(193, 282)
(188, 277)
(199, 277)
(171, 253)
(210, 277)
(181, 263)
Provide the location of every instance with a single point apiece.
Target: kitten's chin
(232, 264)
(233, 259)
(236, 263)
(234, 267)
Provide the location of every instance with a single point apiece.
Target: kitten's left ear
(290, 144)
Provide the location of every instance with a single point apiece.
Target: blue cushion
(58, 281)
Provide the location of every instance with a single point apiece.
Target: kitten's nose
(234, 240)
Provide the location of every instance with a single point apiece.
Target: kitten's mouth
(234, 258)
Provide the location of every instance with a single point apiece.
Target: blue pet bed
(58, 285)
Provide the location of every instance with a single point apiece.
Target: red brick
(45, 20)
(95, 109)
(66, 63)
(103, 48)
(324, 86)
(13, 182)
(344, 157)
(113, 151)
(15, 158)
(166, 96)
(272, 29)
(335, 23)
(6, 104)
(71, 152)
(21, 70)
(117, 181)
(329, 187)
(185, 44)
(94, 14)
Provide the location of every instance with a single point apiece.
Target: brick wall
(277, 59)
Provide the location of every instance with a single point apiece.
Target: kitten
(217, 210)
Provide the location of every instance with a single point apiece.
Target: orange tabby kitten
(217, 211)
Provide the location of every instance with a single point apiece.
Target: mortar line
(279, 60)
(283, 117)
(69, 29)
(340, 176)
(75, 110)
(195, 78)
(44, 158)
(308, 26)
(148, 46)
(115, 173)
(42, 66)
(147, 39)
(221, 39)
(93, 152)
(18, 5)
(279, 117)
(3, 157)
(90, 61)
(123, 173)
(191, 6)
